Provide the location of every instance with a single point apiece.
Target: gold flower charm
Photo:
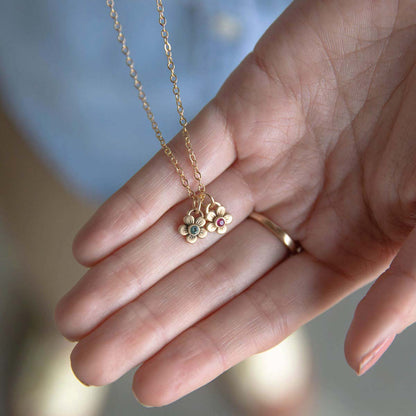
(218, 219)
(193, 228)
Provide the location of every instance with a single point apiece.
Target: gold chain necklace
(199, 219)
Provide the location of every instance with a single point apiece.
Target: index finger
(156, 187)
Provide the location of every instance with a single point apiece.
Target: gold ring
(293, 246)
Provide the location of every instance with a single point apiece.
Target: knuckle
(134, 203)
(142, 319)
(215, 272)
(209, 343)
(270, 311)
(260, 62)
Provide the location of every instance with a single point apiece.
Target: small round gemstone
(220, 222)
(194, 230)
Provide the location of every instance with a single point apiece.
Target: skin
(315, 129)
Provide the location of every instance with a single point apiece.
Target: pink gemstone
(220, 222)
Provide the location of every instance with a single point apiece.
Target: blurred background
(72, 131)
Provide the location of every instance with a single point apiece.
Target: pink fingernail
(373, 356)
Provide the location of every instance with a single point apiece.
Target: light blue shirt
(64, 81)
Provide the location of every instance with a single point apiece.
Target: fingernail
(373, 356)
(144, 405)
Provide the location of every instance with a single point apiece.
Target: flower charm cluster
(198, 227)
(218, 220)
(193, 228)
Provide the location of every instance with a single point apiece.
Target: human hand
(315, 129)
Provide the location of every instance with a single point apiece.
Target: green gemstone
(194, 230)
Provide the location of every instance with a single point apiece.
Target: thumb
(388, 308)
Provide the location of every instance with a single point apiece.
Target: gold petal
(191, 238)
(188, 219)
(202, 233)
(200, 221)
(211, 227)
(222, 230)
(228, 218)
(210, 216)
(220, 211)
(183, 229)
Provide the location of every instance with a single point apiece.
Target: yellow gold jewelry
(217, 218)
(293, 246)
(193, 227)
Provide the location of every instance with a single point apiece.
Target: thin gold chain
(142, 96)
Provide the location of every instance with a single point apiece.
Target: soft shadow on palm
(319, 129)
(317, 114)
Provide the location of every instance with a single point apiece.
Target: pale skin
(316, 130)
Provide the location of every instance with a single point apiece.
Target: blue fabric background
(64, 81)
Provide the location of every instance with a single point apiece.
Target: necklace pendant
(217, 217)
(193, 226)
(196, 223)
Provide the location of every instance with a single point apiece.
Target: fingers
(137, 266)
(189, 293)
(260, 317)
(155, 188)
(388, 308)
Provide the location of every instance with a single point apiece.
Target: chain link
(142, 96)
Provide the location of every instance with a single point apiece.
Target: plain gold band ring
(293, 246)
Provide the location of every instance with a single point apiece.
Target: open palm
(315, 129)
